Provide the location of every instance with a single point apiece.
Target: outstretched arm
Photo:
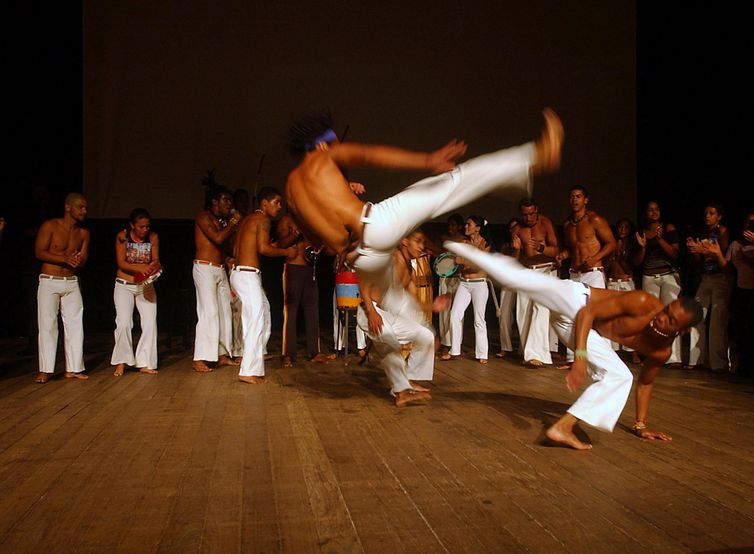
(350, 154)
(644, 389)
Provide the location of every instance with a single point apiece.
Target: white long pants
(399, 329)
(446, 285)
(476, 293)
(508, 302)
(624, 285)
(506, 171)
(666, 288)
(594, 279)
(537, 340)
(145, 300)
(714, 296)
(602, 402)
(214, 327)
(64, 296)
(255, 317)
(339, 340)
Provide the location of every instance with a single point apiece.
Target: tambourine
(445, 265)
(147, 278)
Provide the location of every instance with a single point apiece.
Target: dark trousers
(742, 329)
(300, 289)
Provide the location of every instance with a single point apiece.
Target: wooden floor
(319, 459)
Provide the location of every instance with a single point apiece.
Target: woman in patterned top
(137, 252)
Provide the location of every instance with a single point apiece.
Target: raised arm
(350, 154)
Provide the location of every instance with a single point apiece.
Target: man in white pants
(536, 246)
(586, 319)
(62, 245)
(214, 329)
(254, 240)
(330, 213)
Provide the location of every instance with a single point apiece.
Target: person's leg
(698, 333)
(669, 290)
(480, 293)
(225, 316)
(560, 296)
(292, 290)
(235, 310)
(146, 350)
(266, 319)
(123, 351)
(718, 324)
(421, 362)
(207, 335)
(460, 303)
(524, 311)
(507, 301)
(72, 314)
(447, 285)
(249, 287)
(48, 305)
(310, 301)
(614, 285)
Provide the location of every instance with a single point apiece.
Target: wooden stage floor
(319, 459)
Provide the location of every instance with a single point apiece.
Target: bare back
(206, 249)
(319, 197)
(252, 229)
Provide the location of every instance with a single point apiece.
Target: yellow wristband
(579, 354)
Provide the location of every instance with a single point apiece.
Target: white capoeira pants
(446, 285)
(214, 327)
(714, 296)
(60, 295)
(476, 292)
(537, 337)
(255, 316)
(626, 285)
(339, 330)
(398, 329)
(505, 171)
(667, 288)
(595, 279)
(505, 316)
(125, 296)
(602, 402)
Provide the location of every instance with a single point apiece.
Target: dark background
(693, 131)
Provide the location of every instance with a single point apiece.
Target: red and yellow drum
(347, 290)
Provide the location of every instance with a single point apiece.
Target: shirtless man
(329, 213)
(392, 318)
(586, 319)
(253, 241)
(299, 289)
(62, 246)
(213, 227)
(588, 241)
(537, 247)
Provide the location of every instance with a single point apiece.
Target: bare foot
(287, 361)
(266, 358)
(547, 148)
(534, 363)
(225, 360)
(566, 366)
(417, 387)
(362, 353)
(76, 375)
(567, 439)
(410, 397)
(320, 358)
(252, 379)
(42, 377)
(201, 366)
(119, 370)
(447, 356)
(482, 361)
(675, 365)
(147, 370)
(501, 354)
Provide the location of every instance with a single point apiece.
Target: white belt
(590, 270)
(246, 268)
(58, 277)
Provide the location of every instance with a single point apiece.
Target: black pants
(300, 289)
(742, 329)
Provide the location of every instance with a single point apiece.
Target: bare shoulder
(641, 300)
(121, 236)
(596, 219)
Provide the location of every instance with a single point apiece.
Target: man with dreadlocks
(330, 213)
(213, 228)
(586, 319)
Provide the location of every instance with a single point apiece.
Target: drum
(445, 265)
(347, 289)
(422, 276)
